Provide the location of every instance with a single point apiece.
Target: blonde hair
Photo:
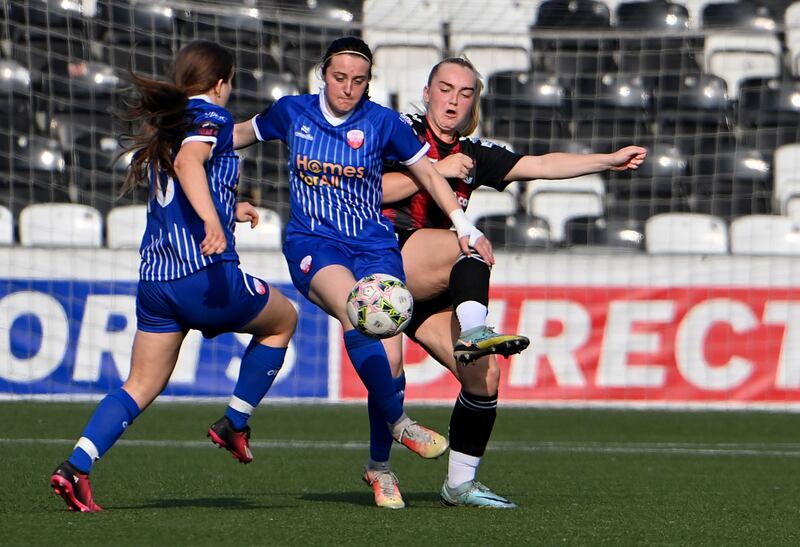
(475, 114)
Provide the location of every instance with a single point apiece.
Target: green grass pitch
(581, 477)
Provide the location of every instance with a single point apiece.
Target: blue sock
(112, 416)
(370, 361)
(380, 438)
(260, 365)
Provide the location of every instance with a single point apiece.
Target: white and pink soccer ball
(380, 305)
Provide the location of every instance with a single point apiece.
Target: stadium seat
(125, 226)
(403, 71)
(60, 225)
(265, 236)
(786, 176)
(77, 86)
(493, 35)
(527, 109)
(518, 232)
(731, 182)
(255, 91)
(769, 112)
(736, 57)
(696, 116)
(404, 22)
(765, 235)
(592, 183)
(487, 201)
(6, 226)
(685, 233)
(658, 186)
(604, 233)
(747, 16)
(558, 207)
(31, 169)
(792, 208)
(612, 96)
(16, 96)
(792, 36)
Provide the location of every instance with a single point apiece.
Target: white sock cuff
(464, 459)
(240, 405)
(88, 446)
(471, 314)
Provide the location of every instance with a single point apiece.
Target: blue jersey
(336, 165)
(171, 243)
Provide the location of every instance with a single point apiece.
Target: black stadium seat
(528, 110)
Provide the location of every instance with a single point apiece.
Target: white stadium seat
(765, 235)
(60, 225)
(495, 36)
(558, 207)
(402, 70)
(265, 236)
(734, 57)
(403, 22)
(786, 176)
(592, 183)
(125, 226)
(685, 233)
(6, 226)
(487, 201)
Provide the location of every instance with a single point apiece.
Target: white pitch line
(788, 450)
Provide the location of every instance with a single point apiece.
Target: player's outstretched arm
(560, 165)
(194, 183)
(244, 134)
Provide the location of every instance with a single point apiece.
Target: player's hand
(482, 245)
(245, 212)
(214, 242)
(456, 166)
(630, 157)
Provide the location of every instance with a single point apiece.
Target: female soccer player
(337, 143)
(444, 280)
(189, 277)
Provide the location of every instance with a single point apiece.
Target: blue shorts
(217, 299)
(306, 255)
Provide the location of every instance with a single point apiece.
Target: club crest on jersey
(355, 138)
(305, 264)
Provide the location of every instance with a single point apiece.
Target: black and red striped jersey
(491, 165)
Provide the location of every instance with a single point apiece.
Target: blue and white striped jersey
(336, 165)
(171, 244)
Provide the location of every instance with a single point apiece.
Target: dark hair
(347, 44)
(160, 108)
(475, 114)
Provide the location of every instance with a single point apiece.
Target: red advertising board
(700, 344)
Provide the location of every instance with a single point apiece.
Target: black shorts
(423, 310)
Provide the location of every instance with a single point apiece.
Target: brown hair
(160, 107)
(475, 113)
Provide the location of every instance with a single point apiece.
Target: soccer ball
(380, 305)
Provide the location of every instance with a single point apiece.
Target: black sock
(471, 423)
(469, 281)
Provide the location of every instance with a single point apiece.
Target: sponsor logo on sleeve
(208, 129)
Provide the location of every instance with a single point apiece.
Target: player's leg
(152, 362)
(329, 290)
(377, 472)
(272, 329)
(467, 279)
(473, 416)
